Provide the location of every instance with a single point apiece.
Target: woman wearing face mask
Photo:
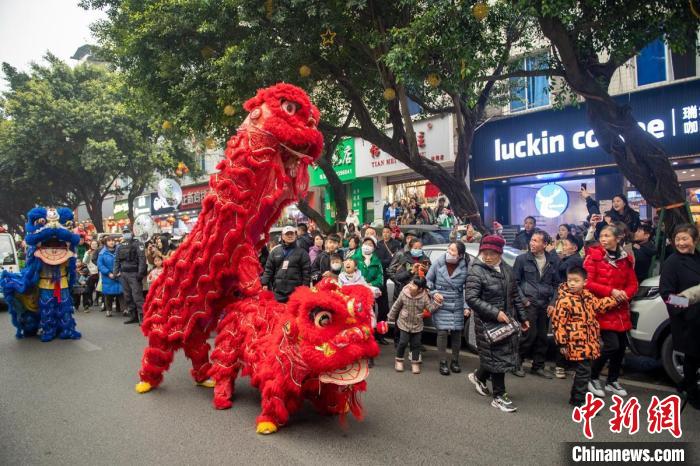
(492, 294)
(405, 265)
(611, 273)
(680, 272)
(446, 278)
(368, 262)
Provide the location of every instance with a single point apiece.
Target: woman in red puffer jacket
(611, 273)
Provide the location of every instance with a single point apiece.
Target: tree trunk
(640, 159)
(340, 194)
(314, 215)
(94, 208)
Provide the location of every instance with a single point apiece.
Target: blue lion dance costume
(39, 298)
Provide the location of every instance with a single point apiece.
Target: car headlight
(647, 292)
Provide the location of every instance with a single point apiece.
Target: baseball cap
(288, 229)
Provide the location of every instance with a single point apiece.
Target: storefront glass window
(523, 203)
(651, 63)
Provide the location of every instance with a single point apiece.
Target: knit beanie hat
(492, 242)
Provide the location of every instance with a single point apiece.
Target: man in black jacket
(387, 247)
(130, 268)
(644, 251)
(536, 273)
(322, 265)
(522, 239)
(305, 241)
(287, 267)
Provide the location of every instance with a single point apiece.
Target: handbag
(497, 332)
(92, 268)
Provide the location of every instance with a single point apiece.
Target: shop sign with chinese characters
(435, 138)
(192, 196)
(343, 161)
(560, 140)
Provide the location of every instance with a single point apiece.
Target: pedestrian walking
(493, 296)
(536, 273)
(576, 329)
(287, 267)
(413, 304)
(611, 273)
(680, 272)
(111, 287)
(447, 276)
(130, 268)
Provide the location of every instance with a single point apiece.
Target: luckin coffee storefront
(536, 163)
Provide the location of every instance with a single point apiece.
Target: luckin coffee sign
(559, 140)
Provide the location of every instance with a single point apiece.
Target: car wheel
(672, 360)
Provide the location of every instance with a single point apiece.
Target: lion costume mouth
(53, 252)
(348, 375)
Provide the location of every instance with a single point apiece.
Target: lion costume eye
(290, 107)
(321, 317)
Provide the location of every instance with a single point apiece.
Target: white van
(8, 256)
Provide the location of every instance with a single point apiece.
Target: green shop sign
(343, 163)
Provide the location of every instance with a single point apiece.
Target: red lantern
(185, 218)
(171, 220)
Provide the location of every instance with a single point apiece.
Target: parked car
(433, 251)
(651, 331)
(8, 256)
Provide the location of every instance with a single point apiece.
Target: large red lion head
(334, 338)
(283, 117)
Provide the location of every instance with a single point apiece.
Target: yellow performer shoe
(266, 428)
(143, 387)
(209, 383)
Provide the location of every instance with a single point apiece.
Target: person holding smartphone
(680, 272)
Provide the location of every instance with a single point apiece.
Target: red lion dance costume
(316, 346)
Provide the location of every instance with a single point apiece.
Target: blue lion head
(49, 231)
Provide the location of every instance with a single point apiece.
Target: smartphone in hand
(678, 301)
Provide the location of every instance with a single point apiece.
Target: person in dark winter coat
(321, 267)
(611, 273)
(130, 268)
(287, 267)
(408, 264)
(492, 295)
(679, 272)
(387, 248)
(446, 277)
(537, 274)
(622, 212)
(522, 239)
(570, 257)
(644, 251)
(304, 239)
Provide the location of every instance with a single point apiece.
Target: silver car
(433, 251)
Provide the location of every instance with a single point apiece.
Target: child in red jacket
(611, 274)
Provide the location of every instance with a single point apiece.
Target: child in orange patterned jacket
(576, 329)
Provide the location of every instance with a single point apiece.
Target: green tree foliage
(80, 134)
(194, 58)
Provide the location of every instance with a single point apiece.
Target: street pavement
(73, 402)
